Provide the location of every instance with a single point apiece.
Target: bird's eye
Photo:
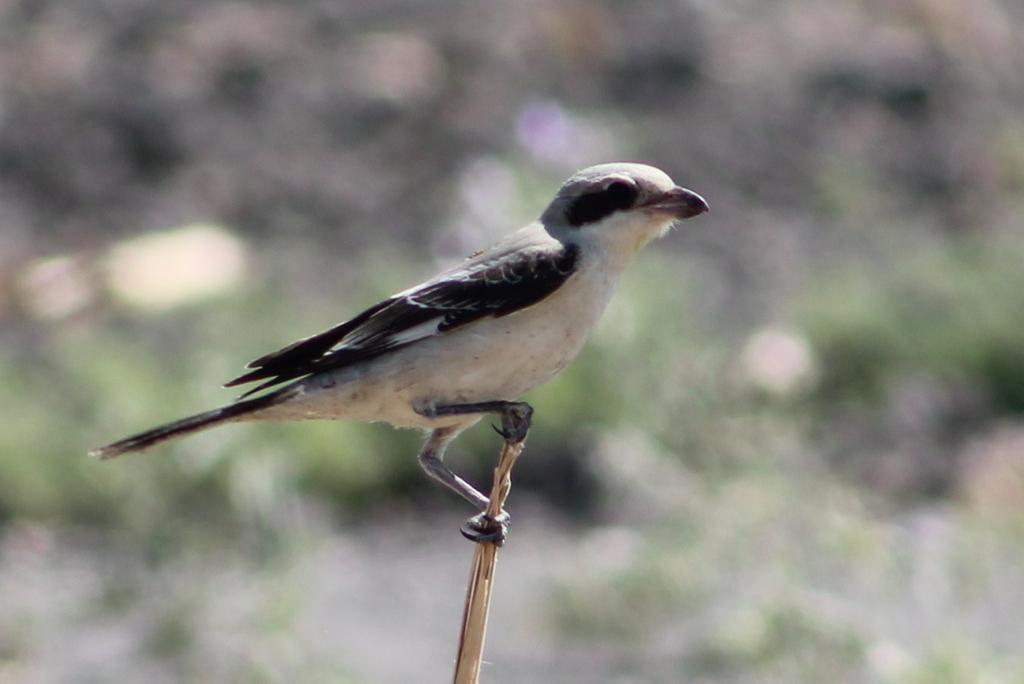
(594, 206)
(621, 194)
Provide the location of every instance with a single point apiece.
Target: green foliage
(955, 314)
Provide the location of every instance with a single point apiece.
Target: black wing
(488, 285)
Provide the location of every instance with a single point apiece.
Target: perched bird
(471, 340)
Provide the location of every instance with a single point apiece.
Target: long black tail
(185, 426)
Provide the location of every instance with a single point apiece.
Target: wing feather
(492, 284)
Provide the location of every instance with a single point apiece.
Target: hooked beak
(680, 203)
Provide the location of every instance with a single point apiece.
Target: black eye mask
(595, 206)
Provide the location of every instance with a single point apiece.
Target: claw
(504, 435)
(515, 423)
(483, 529)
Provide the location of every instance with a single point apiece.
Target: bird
(472, 340)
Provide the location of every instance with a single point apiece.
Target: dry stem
(478, 594)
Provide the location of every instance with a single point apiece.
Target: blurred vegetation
(792, 452)
(953, 314)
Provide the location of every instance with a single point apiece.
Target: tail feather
(185, 426)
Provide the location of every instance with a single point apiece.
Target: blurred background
(792, 452)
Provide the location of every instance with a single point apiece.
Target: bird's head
(621, 204)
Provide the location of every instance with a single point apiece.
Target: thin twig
(481, 581)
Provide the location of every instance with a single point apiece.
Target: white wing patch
(416, 332)
(400, 337)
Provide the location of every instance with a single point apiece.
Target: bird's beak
(680, 203)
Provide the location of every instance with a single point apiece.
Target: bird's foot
(515, 423)
(483, 529)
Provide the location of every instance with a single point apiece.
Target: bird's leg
(515, 424)
(431, 458)
(515, 416)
